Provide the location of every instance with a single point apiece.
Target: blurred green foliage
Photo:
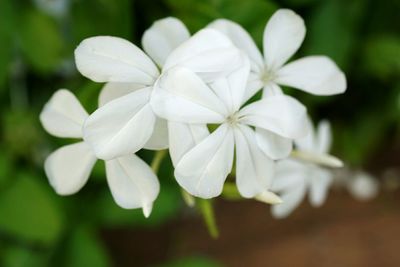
(39, 228)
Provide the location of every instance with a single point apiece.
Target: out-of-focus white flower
(132, 182)
(294, 178)
(128, 123)
(181, 96)
(283, 36)
(56, 8)
(362, 186)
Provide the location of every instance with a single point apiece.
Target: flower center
(267, 76)
(233, 119)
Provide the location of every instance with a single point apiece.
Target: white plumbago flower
(132, 182)
(158, 42)
(181, 96)
(128, 123)
(283, 36)
(294, 178)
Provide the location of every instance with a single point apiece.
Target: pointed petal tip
(330, 161)
(336, 163)
(147, 208)
(269, 198)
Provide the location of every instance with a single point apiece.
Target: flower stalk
(157, 160)
(207, 211)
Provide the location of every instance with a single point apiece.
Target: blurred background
(40, 228)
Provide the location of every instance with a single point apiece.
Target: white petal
(320, 181)
(309, 141)
(232, 88)
(290, 201)
(159, 139)
(317, 158)
(272, 89)
(317, 75)
(273, 145)
(241, 39)
(181, 96)
(163, 37)
(254, 84)
(203, 170)
(183, 137)
(324, 137)
(283, 36)
(209, 53)
(288, 175)
(63, 115)
(68, 168)
(254, 170)
(132, 183)
(280, 114)
(114, 90)
(122, 126)
(113, 59)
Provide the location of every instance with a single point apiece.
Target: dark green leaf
(85, 249)
(41, 41)
(28, 211)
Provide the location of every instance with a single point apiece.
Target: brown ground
(343, 232)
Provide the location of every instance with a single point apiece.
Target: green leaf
(100, 17)
(6, 166)
(21, 133)
(300, 3)
(41, 41)
(382, 57)
(28, 211)
(13, 256)
(6, 39)
(358, 141)
(332, 28)
(85, 249)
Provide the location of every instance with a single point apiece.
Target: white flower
(131, 180)
(283, 36)
(362, 186)
(183, 97)
(128, 123)
(294, 178)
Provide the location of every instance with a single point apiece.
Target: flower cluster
(197, 96)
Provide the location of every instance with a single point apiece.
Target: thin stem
(207, 210)
(157, 160)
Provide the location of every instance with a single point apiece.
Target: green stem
(207, 210)
(158, 158)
